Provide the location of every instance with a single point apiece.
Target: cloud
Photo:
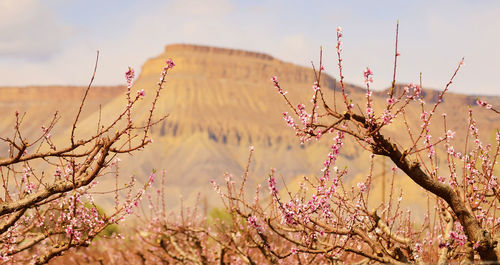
(29, 30)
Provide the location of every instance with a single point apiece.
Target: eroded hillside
(221, 101)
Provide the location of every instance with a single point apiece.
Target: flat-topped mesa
(205, 62)
(219, 102)
(216, 50)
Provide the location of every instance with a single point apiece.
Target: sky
(54, 42)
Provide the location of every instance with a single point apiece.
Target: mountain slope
(221, 101)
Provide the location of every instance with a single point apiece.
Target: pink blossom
(362, 186)
(277, 86)
(69, 231)
(289, 120)
(450, 134)
(334, 152)
(316, 87)
(129, 76)
(483, 104)
(170, 64)
(253, 222)
(141, 93)
(416, 90)
(216, 187)
(459, 238)
(30, 187)
(418, 247)
(339, 44)
(368, 75)
(369, 111)
(151, 178)
(272, 185)
(387, 117)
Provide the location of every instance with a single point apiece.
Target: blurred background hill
(220, 101)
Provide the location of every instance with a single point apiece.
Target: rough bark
(485, 243)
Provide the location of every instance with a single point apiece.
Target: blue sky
(54, 41)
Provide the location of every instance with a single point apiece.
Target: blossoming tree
(327, 220)
(336, 221)
(47, 205)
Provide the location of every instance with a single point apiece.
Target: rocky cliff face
(221, 101)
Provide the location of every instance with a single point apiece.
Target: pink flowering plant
(327, 220)
(48, 204)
